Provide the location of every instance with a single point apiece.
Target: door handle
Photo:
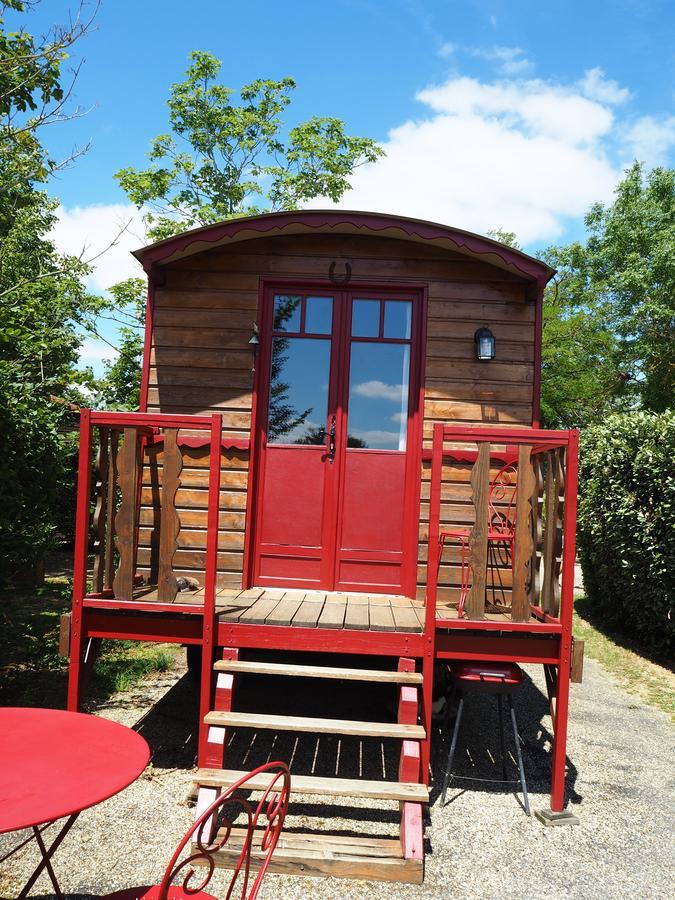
(331, 440)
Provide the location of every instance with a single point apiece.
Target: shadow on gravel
(170, 728)
(478, 753)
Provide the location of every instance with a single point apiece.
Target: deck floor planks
(357, 615)
(263, 606)
(283, 613)
(308, 614)
(333, 612)
(381, 618)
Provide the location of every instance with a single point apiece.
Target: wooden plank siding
(201, 362)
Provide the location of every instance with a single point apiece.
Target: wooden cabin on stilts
(335, 407)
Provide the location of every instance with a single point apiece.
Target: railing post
(80, 561)
(523, 543)
(99, 520)
(210, 574)
(127, 515)
(169, 523)
(478, 539)
(433, 556)
(566, 612)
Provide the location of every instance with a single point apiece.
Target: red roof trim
(474, 244)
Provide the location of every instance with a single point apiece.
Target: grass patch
(619, 654)
(31, 671)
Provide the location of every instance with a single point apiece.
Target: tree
(609, 313)
(225, 159)
(43, 304)
(121, 384)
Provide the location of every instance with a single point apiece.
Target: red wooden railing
(122, 440)
(541, 551)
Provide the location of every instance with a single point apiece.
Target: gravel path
(481, 845)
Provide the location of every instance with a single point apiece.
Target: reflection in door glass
(397, 315)
(365, 318)
(287, 313)
(378, 395)
(318, 315)
(298, 401)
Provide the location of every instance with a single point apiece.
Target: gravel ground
(480, 845)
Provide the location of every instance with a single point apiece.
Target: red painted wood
(211, 567)
(325, 220)
(166, 627)
(56, 763)
(566, 609)
(339, 515)
(481, 646)
(80, 561)
(412, 831)
(222, 701)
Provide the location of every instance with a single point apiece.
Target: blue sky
(493, 113)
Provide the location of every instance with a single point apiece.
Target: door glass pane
(365, 318)
(287, 313)
(397, 314)
(298, 401)
(378, 396)
(319, 315)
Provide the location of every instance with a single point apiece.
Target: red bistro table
(54, 764)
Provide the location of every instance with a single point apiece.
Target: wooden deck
(320, 609)
(302, 609)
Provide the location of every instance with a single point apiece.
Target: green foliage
(609, 314)
(627, 523)
(43, 308)
(121, 384)
(225, 159)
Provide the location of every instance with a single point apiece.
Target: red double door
(338, 443)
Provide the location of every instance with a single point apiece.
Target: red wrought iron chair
(501, 531)
(218, 821)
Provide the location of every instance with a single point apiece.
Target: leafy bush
(627, 523)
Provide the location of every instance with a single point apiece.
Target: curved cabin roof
(346, 222)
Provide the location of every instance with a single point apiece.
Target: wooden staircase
(320, 852)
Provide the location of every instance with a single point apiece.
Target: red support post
(566, 610)
(432, 589)
(211, 569)
(80, 561)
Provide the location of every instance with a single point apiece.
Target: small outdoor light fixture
(255, 337)
(485, 343)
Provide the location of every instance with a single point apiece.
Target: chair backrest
(502, 500)
(197, 868)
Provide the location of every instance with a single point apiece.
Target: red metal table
(54, 764)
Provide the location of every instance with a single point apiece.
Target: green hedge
(626, 531)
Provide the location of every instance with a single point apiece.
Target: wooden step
(268, 668)
(321, 854)
(327, 787)
(316, 726)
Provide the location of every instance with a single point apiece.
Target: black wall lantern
(485, 343)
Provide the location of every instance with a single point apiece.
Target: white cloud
(377, 438)
(93, 353)
(493, 21)
(446, 49)
(510, 60)
(88, 231)
(378, 390)
(650, 140)
(526, 155)
(398, 417)
(595, 86)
